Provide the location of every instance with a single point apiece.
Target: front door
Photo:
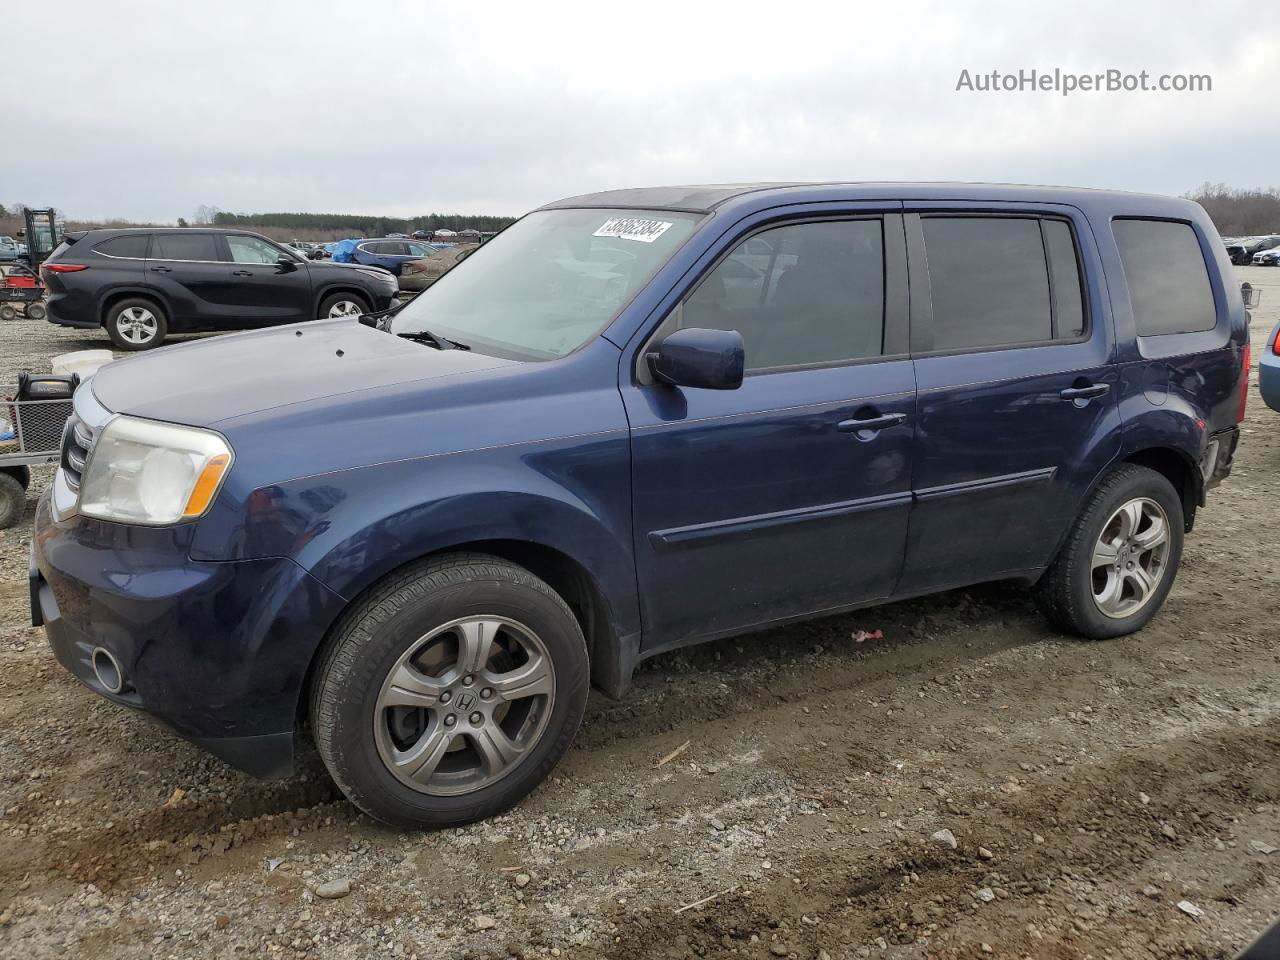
(187, 268)
(789, 495)
(265, 292)
(1016, 409)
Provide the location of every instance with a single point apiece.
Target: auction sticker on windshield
(630, 228)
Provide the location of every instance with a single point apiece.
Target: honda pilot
(634, 421)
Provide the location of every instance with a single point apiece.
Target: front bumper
(218, 651)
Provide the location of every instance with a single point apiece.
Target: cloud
(409, 107)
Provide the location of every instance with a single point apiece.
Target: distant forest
(359, 224)
(1240, 213)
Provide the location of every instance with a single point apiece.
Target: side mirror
(697, 357)
(286, 263)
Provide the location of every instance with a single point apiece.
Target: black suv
(144, 284)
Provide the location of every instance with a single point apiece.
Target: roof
(707, 197)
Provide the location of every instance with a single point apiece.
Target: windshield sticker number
(629, 228)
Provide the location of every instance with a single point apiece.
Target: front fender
(350, 528)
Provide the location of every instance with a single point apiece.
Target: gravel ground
(973, 784)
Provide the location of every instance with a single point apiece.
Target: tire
(1090, 592)
(36, 311)
(8, 313)
(13, 500)
(339, 305)
(136, 324)
(408, 628)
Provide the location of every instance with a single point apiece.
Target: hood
(211, 380)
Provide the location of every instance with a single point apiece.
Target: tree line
(357, 223)
(1239, 212)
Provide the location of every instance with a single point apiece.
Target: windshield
(548, 283)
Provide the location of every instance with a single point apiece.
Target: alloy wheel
(345, 308)
(464, 705)
(1130, 558)
(137, 325)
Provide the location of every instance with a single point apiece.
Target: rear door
(265, 291)
(772, 501)
(188, 271)
(1016, 409)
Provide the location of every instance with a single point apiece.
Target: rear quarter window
(1167, 277)
(134, 245)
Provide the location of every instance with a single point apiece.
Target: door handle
(872, 423)
(162, 269)
(242, 273)
(1085, 393)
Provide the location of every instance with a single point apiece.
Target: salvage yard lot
(1089, 788)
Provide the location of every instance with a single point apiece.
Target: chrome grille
(77, 438)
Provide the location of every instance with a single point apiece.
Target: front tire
(136, 324)
(337, 306)
(450, 692)
(1118, 564)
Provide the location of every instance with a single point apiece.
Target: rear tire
(136, 324)
(1120, 559)
(450, 692)
(8, 313)
(336, 306)
(36, 311)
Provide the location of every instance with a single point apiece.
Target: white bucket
(83, 362)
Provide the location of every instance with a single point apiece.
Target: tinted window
(1064, 275)
(807, 293)
(133, 245)
(1168, 281)
(252, 250)
(183, 246)
(989, 280)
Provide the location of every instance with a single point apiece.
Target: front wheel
(339, 305)
(450, 693)
(1118, 564)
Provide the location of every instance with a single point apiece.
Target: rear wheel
(7, 312)
(36, 311)
(339, 305)
(1119, 562)
(449, 693)
(136, 324)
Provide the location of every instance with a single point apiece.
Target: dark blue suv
(633, 421)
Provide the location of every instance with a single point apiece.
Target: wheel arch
(341, 286)
(1176, 466)
(567, 576)
(114, 296)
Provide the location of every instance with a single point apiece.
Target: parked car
(1267, 258)
(420, 274)
(429, 533)
(8, 249)
(1269, 370)
(141, 285)
(389, 254)
(1242, 251)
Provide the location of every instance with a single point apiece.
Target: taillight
(1275, 346)
(64, 267)
(1244, 381)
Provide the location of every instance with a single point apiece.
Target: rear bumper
(1217, 465)
(216, 651)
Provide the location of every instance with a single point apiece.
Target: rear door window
(1167, 277)
(184, 246)
(989, 280)
(133, 246)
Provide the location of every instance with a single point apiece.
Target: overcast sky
(150, 109)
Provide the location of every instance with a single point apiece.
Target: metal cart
(30, 435)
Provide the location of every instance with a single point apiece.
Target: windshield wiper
(437, 341)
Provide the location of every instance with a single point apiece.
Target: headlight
(377, 273)
(142, 471)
